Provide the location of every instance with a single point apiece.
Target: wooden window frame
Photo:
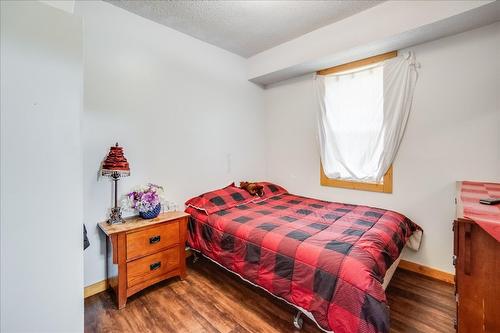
(386, 185)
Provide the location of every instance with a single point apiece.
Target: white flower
(126, 203)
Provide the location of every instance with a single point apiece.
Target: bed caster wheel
(298, 321)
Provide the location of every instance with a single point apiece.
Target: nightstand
(144, 252)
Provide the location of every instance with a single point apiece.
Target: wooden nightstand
(145, 252)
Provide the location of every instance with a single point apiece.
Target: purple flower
(145, 199)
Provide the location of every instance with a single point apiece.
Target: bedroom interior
(250, 166)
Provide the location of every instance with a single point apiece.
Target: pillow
(270, 190)
(221, 199)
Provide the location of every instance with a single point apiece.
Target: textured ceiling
(244, 27)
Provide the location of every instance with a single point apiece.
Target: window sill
(384, 187)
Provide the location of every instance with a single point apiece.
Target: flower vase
(151, 214)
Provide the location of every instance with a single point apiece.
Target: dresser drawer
(141, 243)
(154, 265)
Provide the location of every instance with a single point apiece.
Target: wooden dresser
(144, 252)
(477, 259)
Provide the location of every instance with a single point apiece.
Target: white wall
(41, 169)
(66, 5)
(453, 134)
(178, 106)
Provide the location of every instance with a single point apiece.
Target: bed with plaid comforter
(325, 257)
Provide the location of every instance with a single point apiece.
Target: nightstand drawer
(154, 265)
(152, 240)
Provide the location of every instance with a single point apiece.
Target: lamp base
(115, 216)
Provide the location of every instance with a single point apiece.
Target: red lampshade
(115, 163)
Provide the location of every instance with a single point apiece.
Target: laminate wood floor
(214, 300)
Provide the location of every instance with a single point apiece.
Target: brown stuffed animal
(253, 188)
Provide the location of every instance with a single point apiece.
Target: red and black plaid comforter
(325, 257)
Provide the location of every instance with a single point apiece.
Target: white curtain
(362, 118)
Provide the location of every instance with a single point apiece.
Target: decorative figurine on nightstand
(115, 166)
(146, 199)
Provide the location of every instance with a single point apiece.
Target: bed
(326, 259)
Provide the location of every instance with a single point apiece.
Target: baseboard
(427, 271)
(95, 288)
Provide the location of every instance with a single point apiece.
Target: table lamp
(115, 166)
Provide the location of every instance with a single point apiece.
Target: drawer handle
(155, 266)
(154, 239)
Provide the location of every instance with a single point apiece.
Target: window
(354, 117)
